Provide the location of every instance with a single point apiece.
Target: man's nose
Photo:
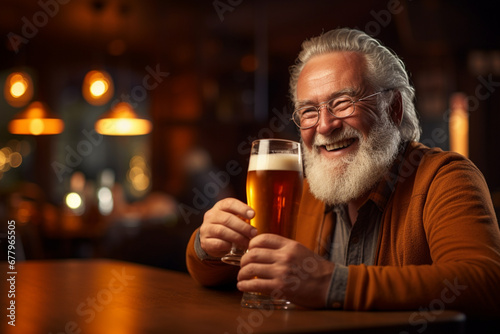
(327, 123)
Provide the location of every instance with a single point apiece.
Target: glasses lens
(306, 117)
(342, 106)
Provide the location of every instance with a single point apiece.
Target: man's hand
(279, 266)
(223, 225)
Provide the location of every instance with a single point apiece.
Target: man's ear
(396, 109)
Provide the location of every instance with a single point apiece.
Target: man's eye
(341, 103)
(308, 112)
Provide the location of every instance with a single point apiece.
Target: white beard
(338, 181)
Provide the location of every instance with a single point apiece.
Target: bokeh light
(18, 90)
(97, 88)
(73, 200)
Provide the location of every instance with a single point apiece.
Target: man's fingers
(258, 270)
(232, 214)
(268, 240)
(218, 247)
(226, 223)
(235, 207)
(257, 255)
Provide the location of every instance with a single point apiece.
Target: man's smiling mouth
(340, 145)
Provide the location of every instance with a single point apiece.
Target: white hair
(385, 71)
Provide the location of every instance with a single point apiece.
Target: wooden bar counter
(105, 296)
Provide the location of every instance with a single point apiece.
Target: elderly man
(390, 223)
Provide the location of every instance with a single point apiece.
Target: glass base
(233, 259)
(262, 301)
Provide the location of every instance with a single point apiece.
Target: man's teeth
(339, 145)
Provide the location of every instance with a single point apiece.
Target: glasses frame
(327, 105)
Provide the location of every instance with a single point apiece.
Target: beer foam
(277, 161)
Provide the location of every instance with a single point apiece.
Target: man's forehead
(330, 72)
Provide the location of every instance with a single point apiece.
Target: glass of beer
(274, 190)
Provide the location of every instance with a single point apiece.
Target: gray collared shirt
(352, 244)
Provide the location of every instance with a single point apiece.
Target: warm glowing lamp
(36, 120)
(18, 89)
(459, 124)
(122, 121)
(97, 88)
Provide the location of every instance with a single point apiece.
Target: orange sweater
(439, 244)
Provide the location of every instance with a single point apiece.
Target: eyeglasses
(341, 107)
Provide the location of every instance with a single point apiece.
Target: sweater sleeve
(449, 211)
(208, 271)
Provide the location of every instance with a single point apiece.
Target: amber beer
(274, 189)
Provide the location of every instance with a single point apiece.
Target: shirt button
(354, 240)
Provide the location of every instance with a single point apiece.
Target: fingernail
(250, 213)
(253, 232)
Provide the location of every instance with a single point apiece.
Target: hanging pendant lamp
(36, 120)
(122, 120)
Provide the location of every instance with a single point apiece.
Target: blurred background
(123, 121)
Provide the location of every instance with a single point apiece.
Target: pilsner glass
(274, 190)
